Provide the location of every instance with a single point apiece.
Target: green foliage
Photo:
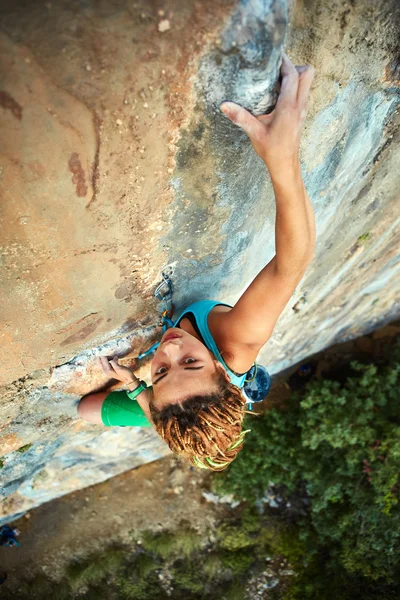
(187, 577)
(1, 463)
(139, 589)
(145, 564)
(24, 448)
(186, 542)
(335, 583)
(94, 593)
(364, 237)
(233, 538)
(250, 520)
(168, 544)
(244, 542)
(281, 539)
(239, 562)
(236, 591)
(159, 543)
(95, 568)
(212, 566)
(341, 443)
(42, 587)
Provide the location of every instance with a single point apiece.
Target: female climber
(198, 371)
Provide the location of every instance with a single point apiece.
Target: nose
(173, 342)
(171, 347)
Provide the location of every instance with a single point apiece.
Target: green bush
(236, 591)
(145, 564)
(160, 543)
(42, 587)
(232, 537)
(95, 568)
(280, 539)
(239, 562)
(94, 593)
(341, 444)
(166, 544)
(132, 588)
(187, 577)
(212, 566)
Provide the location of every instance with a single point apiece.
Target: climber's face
(181, 367)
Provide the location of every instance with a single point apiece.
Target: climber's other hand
(276, 136)
(112, 369)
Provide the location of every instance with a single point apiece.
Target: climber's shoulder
(250, 323)
(238, 356)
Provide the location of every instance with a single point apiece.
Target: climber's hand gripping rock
(276, 136)
(112, 369)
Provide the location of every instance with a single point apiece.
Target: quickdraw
(164, 293)
(253, 376)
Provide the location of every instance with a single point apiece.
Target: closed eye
(185, 368)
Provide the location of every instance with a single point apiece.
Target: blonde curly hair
(205, 429)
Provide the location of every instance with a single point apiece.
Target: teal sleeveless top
(201, 311)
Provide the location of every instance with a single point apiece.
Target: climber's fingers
(112, 369)
(289, 84)
(306, 76)
(122, 373)
(102, 361)
(243, 118)
(116, 368)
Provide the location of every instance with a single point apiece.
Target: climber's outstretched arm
(276, 139)
(253, 318)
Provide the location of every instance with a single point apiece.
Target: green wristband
(133, 394)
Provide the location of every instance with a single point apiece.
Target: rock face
(116, 163)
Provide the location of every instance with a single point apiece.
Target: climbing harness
(258, 381)
(164, 293)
